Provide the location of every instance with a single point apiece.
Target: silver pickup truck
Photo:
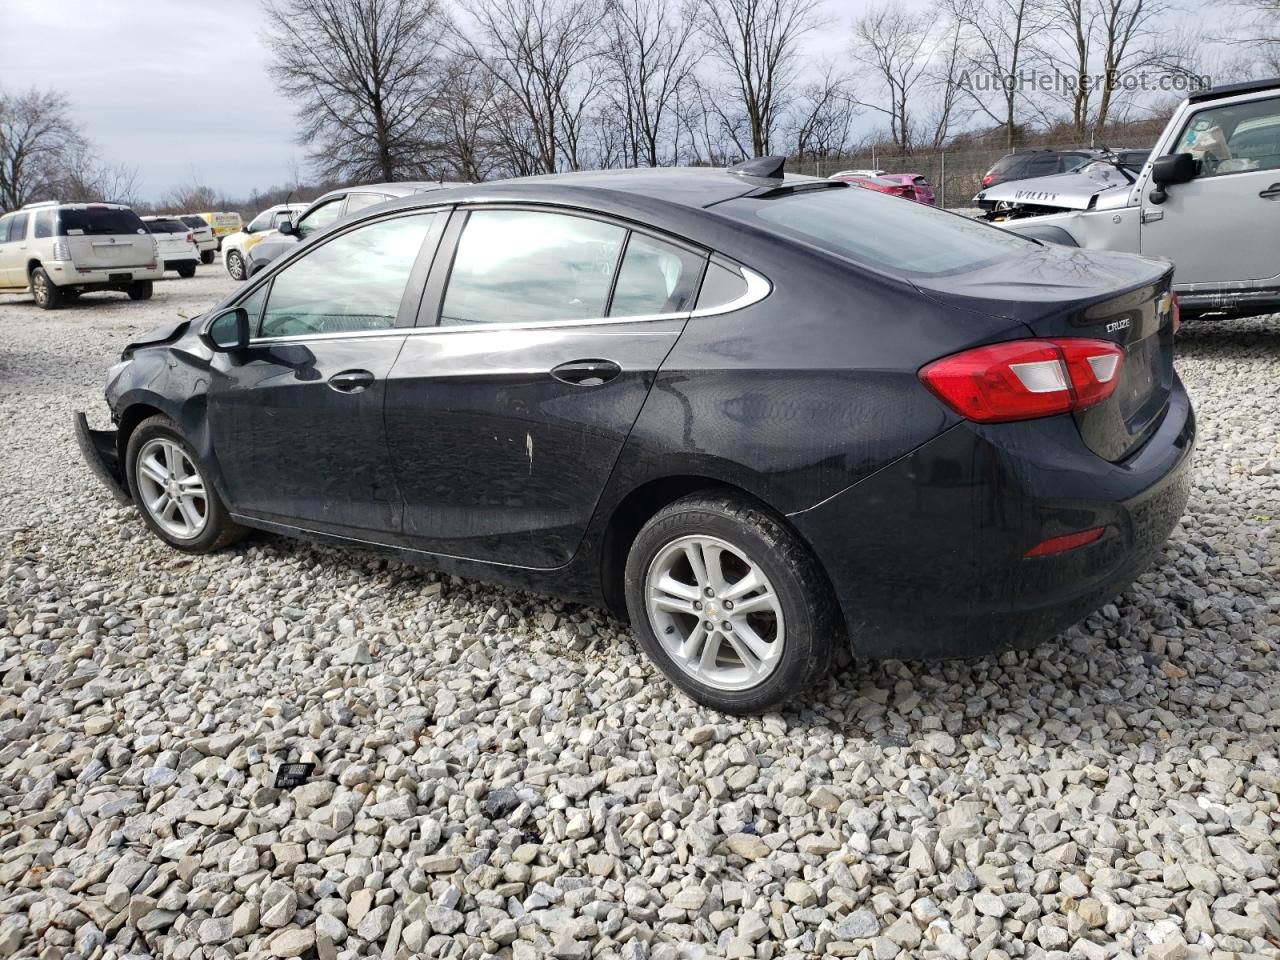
(1208, 198)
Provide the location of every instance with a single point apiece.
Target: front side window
(1234, 139)
(351, 284)
(655, 277)
(4, 228)
(902, 239)
(528, 266)
(318, 219)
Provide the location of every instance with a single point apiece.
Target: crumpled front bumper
(98, 447)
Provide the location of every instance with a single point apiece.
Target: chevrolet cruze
(762, 416)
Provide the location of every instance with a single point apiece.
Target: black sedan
(762, 416)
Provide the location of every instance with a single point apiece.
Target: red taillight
(986, 181)
(1177, 313)
(1068, 541)
(1024, 379)
(191, 238)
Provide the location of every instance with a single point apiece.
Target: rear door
(505, 420)
(102, 237)
(1221, 228)
(296, 420)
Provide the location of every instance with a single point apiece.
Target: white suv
(236, 246)
(61, 250)
(176, 244)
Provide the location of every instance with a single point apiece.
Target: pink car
(924, 192)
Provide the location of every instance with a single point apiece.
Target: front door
(13, 250)
(296, 420)
(1221, 228)
(506, 420)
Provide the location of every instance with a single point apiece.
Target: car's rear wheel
(729, 603)
(140, 290)
(235, 265)
(206, 257)
(44, 291)
(187, 271)
(174, 492)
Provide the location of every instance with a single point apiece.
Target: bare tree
(650, 52)
(822, 116)
(1260, 32)
(464, 119)
(942, 77)
(83, 176)
(543, 54)
(1132, 39)
(361, 72)
(1004, 33)
(37, 136)
(757, 45)
(890, 44)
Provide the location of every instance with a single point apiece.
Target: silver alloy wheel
(235, 266)
(715, 612)
(40, 288)
(171, 489)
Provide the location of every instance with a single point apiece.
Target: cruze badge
(1118, 325)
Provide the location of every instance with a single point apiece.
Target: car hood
(1070, 191)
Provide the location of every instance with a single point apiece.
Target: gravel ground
(503, 775)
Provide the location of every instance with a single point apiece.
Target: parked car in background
(879, 184)
(236, 246)
(761, 415)
(918, 183)
(224, 224)
(206, 242)
(1034, 163)
(58, 251)
(326, 210)
(1208, 199)
(175, 243)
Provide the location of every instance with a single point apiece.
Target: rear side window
(4, 229)
(98, 221)
(527, 266)
(655, 277)
(880, 231)
(351, 284)
(44, 224)
(1043, 166)
(18, 227)
(721, 286)
(357, 201)
(1006, 164)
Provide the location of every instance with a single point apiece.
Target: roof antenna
(759, 168)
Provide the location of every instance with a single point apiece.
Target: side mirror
(288, 228)
(228, 332)
(1168, 170)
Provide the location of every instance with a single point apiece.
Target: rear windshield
(97, 221)
(167, 226)
(194, 222)
(881, 231)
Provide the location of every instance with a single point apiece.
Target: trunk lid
(103, 236)
(1069, 292)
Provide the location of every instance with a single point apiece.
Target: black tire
(812, 631)
(235, 265)
(219, 530)
(44, 291)
(206, 257)
(187, 271)
(140, 290)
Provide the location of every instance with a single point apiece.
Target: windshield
(881, 231)
(98, 221)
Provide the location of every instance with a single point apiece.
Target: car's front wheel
(44, 291)
(174, 492)
(729, 603)
(235, 265)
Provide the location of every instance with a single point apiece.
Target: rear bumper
(927, 556)
(68, 275)
(98, 447)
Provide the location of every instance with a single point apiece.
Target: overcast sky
(176, 88)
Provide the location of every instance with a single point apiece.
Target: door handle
(586, 373)
(351, 381)
(1271, 193)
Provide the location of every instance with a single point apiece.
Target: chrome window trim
(758, 287)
